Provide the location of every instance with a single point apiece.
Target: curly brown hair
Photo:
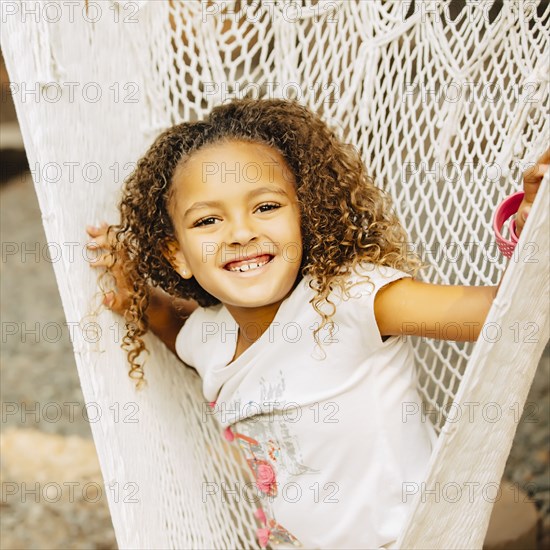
(345, 218)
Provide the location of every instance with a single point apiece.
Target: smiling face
(236, 200)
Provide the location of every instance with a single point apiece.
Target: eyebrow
(251, 194)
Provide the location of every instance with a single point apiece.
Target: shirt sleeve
(367, 280)
(188, 338)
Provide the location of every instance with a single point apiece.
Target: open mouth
(249, 265)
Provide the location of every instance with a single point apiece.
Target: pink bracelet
(508, 207)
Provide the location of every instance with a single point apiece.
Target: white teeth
(248, 267)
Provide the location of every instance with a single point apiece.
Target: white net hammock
(443, 100)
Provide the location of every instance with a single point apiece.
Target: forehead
(230, 167)
(237, 162)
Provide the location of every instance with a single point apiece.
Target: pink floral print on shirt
(265, 481)
(265, 477)
(273, 532)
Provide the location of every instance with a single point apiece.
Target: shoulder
(390, 302)
(389, 286)
(356, 294)
(369, 277)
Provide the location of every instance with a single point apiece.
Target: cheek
(294, 242)
(296, 231)
(201, 248)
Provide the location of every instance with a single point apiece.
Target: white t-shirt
(328, 433)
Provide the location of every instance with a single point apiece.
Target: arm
(167, 316)
(445, 312)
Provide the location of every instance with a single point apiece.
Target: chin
(249, 302)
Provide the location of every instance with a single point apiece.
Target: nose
(242, 230)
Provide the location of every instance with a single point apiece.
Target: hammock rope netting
(445, 101)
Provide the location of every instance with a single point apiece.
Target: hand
(118, 301)
(532, 178)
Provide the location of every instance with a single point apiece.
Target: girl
(255, 245)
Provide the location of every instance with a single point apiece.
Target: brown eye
(271, 206)
(203, 222)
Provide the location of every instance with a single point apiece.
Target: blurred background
(46, 441)
(52, 489)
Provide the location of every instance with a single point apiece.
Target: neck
(254, 321)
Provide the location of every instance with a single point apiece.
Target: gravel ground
(53, 445)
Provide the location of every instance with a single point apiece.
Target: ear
(173, 253)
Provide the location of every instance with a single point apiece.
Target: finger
(98, 242)
(532, 179)
(518, 229)
(535, 173)
(105, 238)
(102, 260)
(520, 221)
(99, 263)
(109, 299)
(545, 157)
(94, 230)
